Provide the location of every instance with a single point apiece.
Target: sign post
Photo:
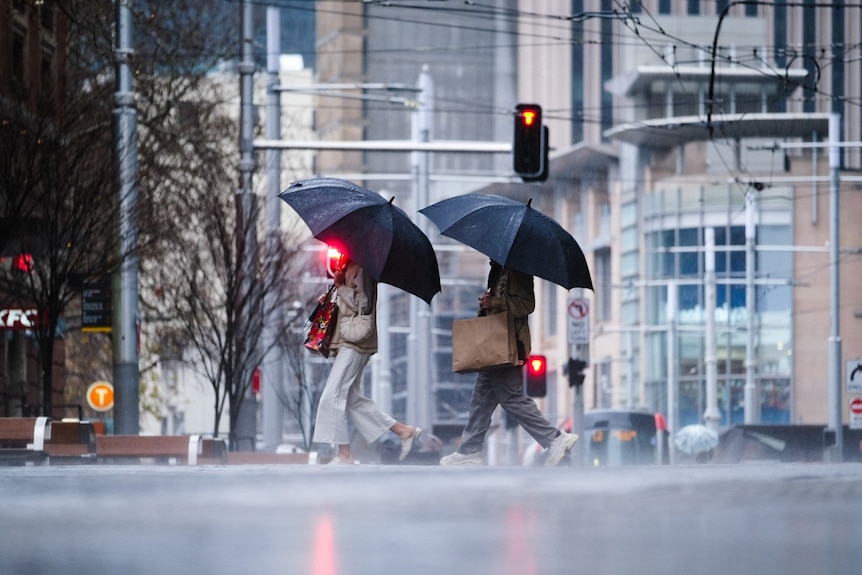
(577, 311)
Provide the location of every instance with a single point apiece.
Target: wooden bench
(160, 448)
(22, 439)
(213, 451)
(72, 442)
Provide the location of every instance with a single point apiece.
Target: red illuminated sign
(18, 319)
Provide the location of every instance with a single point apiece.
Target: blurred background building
(649, 149)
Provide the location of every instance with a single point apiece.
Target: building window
(46, 80)
(603, 284)
(607, 65)
(678, 256)
(19, 63)
(577, 74)
(46, 15)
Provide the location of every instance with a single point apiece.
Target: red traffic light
(537, 365)
(529, 144)
(334, 259)
(537, 376)
(528, 117)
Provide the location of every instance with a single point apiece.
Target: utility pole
(125, 280)
(835, 383)
(246, 210)
(751, 392)
(272, 372)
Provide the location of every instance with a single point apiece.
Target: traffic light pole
(246, 211)
(125, 292)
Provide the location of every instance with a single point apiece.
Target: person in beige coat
(342, 399)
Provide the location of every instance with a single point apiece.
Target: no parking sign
(856, 413)
(579, 322)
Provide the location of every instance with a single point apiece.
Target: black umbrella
(514, 235)
(375, 234)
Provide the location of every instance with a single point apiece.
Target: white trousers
(342, 399)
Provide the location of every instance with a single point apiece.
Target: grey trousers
(342, 399)
(505, 387)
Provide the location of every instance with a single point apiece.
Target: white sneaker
(560, 447)
(458, 458)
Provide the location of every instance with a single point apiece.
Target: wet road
(388, 520)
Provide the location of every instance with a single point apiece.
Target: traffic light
(23, 263)
(537, 376)
(334, 260)
(576, 372)
(530, 145)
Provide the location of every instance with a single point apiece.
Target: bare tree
(55, 182)
(56, 177)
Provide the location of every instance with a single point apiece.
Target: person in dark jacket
(508, 290)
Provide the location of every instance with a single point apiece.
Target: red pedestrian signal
(334, 260)
(23, 263)
(530, 146)
(537, 376)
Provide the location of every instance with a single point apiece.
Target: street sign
(100, 396)
(854, 376)
(856, 413)
(96, 305)
(578, 312)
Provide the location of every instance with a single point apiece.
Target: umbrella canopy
(514, 235)
(695, 438)
(376, 234)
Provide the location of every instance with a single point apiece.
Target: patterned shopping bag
(323, 321)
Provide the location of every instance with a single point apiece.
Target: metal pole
(125, 280)
(751, 395)
(711, 415)
(419, 372)
(835, 416)
(272, 374)
(577, 352)
(382, 390)
(672, 289)
(246, 425)
(630, 369)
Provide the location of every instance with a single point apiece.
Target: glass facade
(676, 257)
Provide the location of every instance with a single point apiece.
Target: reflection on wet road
(414, 520)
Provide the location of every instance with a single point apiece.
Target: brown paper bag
(484, 342)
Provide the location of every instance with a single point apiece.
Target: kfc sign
(18, 319)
